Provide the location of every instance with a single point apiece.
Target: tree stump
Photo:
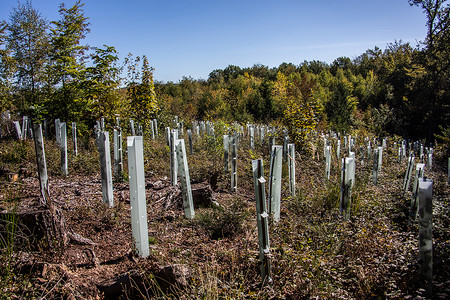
(202, 195)
(35, 226)
(39, 227)
(139, 285)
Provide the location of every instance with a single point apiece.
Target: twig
(61, 277)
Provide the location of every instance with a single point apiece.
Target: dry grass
(315, 252)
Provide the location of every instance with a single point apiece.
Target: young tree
(340, 108)
(67, 62)
(301, 109)
(28, 43)
(102, 81)
(141, 90)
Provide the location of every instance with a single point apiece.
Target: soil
(374, 255)
(103, 253)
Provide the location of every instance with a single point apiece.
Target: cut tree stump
(173, 275)
(202, 195)
(34, 226)
(139, 285)
(130, 283)
(41, 227)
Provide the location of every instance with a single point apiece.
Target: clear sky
(195, 37)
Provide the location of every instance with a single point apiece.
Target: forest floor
(315, 252)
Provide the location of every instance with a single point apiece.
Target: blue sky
(193, 38)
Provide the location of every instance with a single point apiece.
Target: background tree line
(46, 72)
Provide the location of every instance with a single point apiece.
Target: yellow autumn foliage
(300, 108)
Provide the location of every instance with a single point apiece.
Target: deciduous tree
(67, 62)
(102, 82)
(6, 70)
(141, 91)
(340, 108)
(27, 42)
(301, 110)
(437, 63)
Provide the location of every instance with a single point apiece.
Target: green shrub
(15, 152)
(222, 222)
